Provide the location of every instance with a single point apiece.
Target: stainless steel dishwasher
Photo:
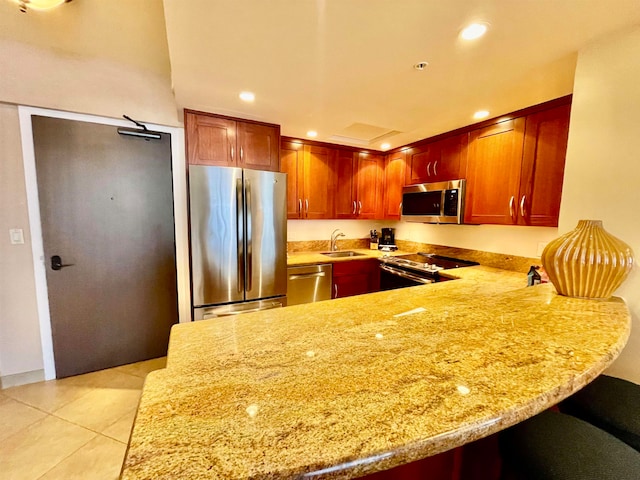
(308, 283)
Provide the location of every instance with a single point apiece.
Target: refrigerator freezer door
(217, 232)
(266, 234)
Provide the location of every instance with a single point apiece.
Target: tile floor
(74, 428)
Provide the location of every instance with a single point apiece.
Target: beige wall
(19, 329)
(603, 164)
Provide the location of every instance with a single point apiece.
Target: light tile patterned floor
(74, 428)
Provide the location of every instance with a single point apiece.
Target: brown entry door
(106, 205)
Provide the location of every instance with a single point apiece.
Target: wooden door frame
(37, 245)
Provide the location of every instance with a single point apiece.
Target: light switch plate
(17, 236)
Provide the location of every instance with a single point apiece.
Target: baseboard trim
(21, 379)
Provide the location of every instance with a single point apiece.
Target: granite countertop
(308, 258)
(347, 387)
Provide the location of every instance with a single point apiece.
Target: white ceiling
(329, 64)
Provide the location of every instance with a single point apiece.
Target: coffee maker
(387, 240)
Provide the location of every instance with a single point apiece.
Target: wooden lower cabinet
(355, 277)
(479, 460)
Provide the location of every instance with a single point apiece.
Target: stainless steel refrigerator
(238, 240)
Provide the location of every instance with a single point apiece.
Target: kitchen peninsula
(348, 387)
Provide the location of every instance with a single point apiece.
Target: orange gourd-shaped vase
(587, 262)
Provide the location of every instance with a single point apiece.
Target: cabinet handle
(359, 207)
(429, 169)
(400, 209)
(335, 290)
(232, 152)
(522, 205)
(435, 166)
(306, 206)
(354, 207)
(511, 202)
(241, 154)
(299, 206)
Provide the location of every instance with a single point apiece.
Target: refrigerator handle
(239, 235)
(247, 186)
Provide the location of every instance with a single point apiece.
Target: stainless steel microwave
(438, 202)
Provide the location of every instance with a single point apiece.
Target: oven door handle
(403, 274)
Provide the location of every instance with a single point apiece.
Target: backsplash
(325, 245)
(513, 263)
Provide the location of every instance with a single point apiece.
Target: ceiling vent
(363, 134)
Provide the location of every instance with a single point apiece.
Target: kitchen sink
(343, 253)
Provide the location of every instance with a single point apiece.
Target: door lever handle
(56, 263)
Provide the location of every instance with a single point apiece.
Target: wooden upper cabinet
(419, 163)
(319, 182)
(369, 183)
(493, 172)
(258, 146)
(210, 140)
(227, 142)
(292, 163)
(453, 158)
(438, 161)
(346, 188)
(545, 148)
(394, 177)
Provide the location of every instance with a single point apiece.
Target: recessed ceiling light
(421, 66)
(473, 31)
(247, 96)
(385, 146)
(480, 114)
(312, 133)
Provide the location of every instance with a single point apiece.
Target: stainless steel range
(416, 269)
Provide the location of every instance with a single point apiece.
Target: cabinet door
(369, 186)
(394, 173)
(319, 182)
(451, 164)
(355, 278)
(493, 173)
(292, 163)
(420, 163)
(210, 140)
(258, 146)
(346, 173)
(545, 148)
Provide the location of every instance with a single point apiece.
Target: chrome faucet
(334, 238)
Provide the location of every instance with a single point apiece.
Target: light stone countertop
(308, 258)
(347, 387)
